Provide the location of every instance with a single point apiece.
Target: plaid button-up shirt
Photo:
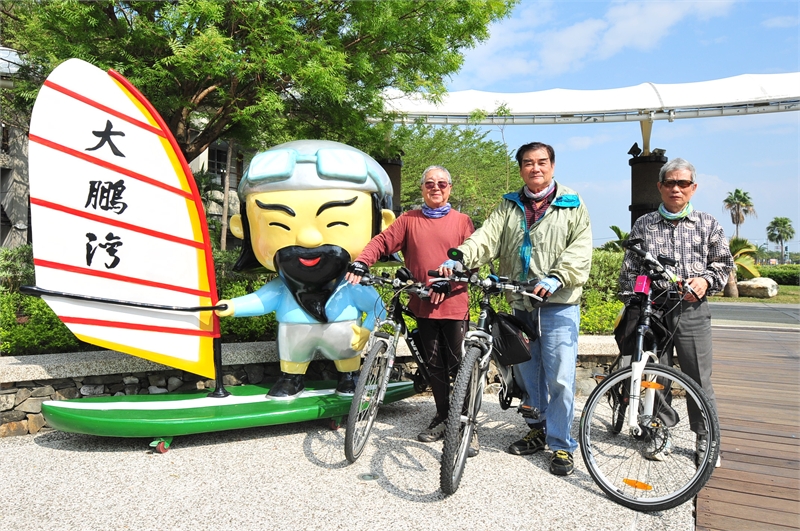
(696, 242)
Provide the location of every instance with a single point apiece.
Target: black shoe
(434, 432)
(561, 463)
(530, 444)
(474, 445)
(347, 384)
(288, 386)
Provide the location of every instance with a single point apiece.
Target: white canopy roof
(739, 95)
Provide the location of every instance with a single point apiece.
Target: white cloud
(533, 43)
(781, 22)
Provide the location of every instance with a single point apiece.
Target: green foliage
(29, 326)
(784, 275)
(744, 254)
(478, 167)
(598, 314)
(616, 245)
(16, 268)
(604, 275)
(255, 71)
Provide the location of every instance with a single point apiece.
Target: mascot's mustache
(311, 275)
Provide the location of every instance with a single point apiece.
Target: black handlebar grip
(433, 273)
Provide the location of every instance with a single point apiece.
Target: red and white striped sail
(116, 215)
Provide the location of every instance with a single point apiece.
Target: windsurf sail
(116, 215)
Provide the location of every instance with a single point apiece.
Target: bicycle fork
(390, 355)
(650, 386)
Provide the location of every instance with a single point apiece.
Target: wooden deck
(757, 384)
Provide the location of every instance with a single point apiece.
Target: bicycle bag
(511, 339)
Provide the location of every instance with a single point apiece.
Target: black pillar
(393, 168)
(645, 197)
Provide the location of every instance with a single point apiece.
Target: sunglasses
(681, 184)
(430, 185)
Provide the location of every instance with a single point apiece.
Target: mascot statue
(308, 208)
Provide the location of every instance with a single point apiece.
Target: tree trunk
(730, 289)
(226, 182)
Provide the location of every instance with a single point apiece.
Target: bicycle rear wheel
(465, 402)
(364, 407)
(654, 470)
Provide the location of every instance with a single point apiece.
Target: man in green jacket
(542, 232)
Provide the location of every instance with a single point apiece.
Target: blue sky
(601, 44)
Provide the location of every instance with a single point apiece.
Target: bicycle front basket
(512, 342)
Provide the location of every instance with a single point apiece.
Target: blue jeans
(551, 370)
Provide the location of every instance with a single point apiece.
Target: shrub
(29, 326)
(16, 268)
(785, 275)
(598, 314)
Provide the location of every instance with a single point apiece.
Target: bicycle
(477, 351)
(635, 434)
(381, 349)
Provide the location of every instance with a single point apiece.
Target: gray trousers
(691, 342)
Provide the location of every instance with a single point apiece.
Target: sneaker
(347, 384)
(561, 463)
(434, 432)
(474, 445)
(530, 444)
(287, 387)
(661, 454)
(701, 448)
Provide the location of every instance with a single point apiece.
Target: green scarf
(666, 214)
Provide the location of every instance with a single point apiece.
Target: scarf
(666, 214)
(538, 196)
(434, 213)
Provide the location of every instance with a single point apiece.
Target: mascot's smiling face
(309, 220)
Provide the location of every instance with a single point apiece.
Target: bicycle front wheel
(465, 402)
(658, 464)
(364, 407)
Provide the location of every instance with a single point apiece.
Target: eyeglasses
(430, 185)
(681, 184)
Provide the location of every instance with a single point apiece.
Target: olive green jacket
(558, 245)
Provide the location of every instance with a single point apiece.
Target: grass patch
(786, 295)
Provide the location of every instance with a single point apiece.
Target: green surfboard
(184, 413)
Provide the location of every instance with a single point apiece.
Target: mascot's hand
(227, 311)
(360, 337)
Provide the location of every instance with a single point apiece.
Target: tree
(616, 245)
(739, 204)
(477, 166)
(254, 71)
(779, 231)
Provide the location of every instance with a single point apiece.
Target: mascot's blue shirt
(347, 303)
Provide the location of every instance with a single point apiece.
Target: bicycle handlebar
(409, 286)
(657, 264)
(492, 283)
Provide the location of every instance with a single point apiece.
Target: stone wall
(27, 381)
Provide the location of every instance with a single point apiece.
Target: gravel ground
(296, 477)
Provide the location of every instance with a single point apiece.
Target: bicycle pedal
(528, 412)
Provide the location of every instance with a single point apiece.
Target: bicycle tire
(459, 429)
(624, 465)
(364, 407)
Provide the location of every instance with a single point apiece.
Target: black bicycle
(478, 350)
(635, 433)
(378, 366)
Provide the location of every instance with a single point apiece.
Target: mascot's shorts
(300, 342)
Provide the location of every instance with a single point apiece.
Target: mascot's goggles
(331, 164)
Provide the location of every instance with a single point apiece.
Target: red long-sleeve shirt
(424, 243)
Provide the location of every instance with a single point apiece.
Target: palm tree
(615, 245)
(739, 204)
(779, 231)
(744, 259)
